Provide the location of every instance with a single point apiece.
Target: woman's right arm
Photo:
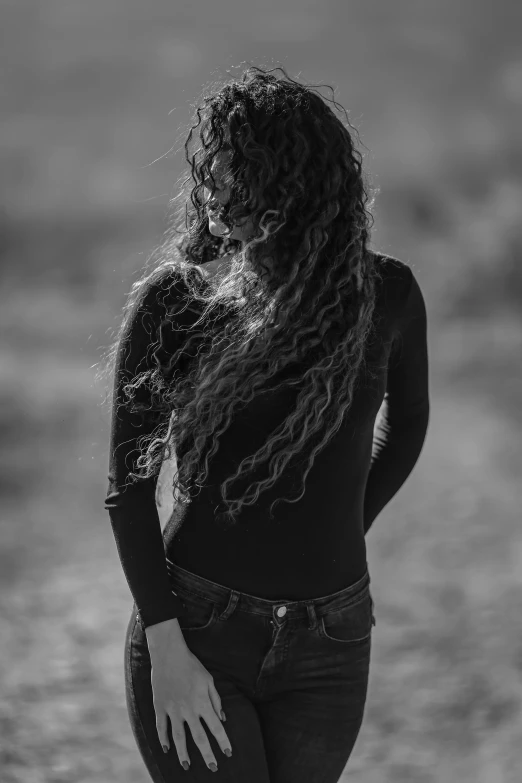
(132, 508)
(183, 690)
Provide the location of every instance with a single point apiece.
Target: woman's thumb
(215, 698)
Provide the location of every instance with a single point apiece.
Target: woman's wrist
(169, 630)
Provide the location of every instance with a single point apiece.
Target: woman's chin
(219, 229)
(216, 228)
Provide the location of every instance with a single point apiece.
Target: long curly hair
(305, 278)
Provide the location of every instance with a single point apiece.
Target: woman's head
(276, 173)
(276, 182)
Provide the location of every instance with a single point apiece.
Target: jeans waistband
(181, 579)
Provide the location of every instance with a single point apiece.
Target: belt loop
(311, 616)
(232, 603)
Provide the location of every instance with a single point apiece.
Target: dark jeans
(292, 677)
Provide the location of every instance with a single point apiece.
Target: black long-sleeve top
(310, 548)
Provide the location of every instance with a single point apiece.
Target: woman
(262, 346)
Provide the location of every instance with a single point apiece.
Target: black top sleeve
(132, 506)
(400, 437)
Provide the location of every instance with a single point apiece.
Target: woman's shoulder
(393, 271)
(170, 278)
(395, 280)
(166, 289)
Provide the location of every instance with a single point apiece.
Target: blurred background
(97, 100)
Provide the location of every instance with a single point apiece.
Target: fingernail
(212, 766)
(185, 764)
(165, 749)
(227, 752)
(223, 717)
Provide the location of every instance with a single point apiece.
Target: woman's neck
(211, 268)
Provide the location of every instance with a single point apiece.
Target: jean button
(281, 611)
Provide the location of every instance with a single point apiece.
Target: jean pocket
(200, 613)
(351, 624)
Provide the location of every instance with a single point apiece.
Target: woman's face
(221, 195)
